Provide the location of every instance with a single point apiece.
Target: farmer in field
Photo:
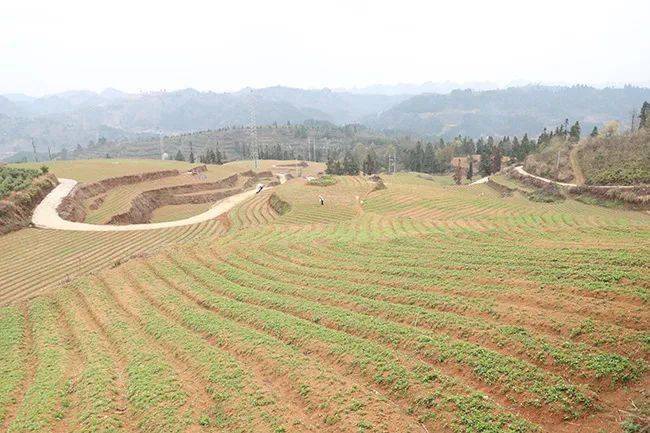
(260, 187)
(321, 199)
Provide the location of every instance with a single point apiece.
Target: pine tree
(496, 159)
(470, 167)
(350, 164)
(179, 156)
(644, 116)
(574, 134)
(370, 164)
(429, 163)
(485, 165)
(594, 132)
(191, 157)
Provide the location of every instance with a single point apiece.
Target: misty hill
(507, 112)
(75, 118)
(86, 115)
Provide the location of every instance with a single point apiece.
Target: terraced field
(421, 307)
(119, 199)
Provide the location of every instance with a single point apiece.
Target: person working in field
(321, 199)
(260, 187)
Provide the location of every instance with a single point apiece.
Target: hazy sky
(54, 45)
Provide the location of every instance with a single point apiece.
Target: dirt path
(46, 215)
(519, 169)
(577, 171)
(481, 180)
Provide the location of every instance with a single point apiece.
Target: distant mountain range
(78, 117)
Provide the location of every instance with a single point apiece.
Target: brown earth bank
(279, 205)
(144, 204)
(295, 164)
(72, 207)
(635, 196)
(16, 210)
(501, 189)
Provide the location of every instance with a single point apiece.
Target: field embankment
(72, 207)
(17, 207)
(634, 196)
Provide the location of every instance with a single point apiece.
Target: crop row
(34, 259)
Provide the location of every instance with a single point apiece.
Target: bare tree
(34, 149)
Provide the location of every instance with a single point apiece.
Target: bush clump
(326, 180)
(15, 179)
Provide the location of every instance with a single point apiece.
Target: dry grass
(616, 160)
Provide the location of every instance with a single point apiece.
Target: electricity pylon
(253, 131)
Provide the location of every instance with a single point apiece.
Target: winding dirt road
(46, 216)
(521, 170)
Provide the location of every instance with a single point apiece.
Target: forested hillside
(74, 119)
(507, 112)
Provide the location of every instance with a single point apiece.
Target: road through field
(46, 215)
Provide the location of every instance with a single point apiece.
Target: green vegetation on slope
(15, 179)
(616, 160)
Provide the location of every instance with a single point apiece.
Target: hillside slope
(603, 160)
(616, 160)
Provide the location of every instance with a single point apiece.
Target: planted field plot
(112, 203)
(98, 169)
(421, 307)
(33, 259)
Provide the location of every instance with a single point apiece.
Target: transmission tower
(162, 153)
(253, 130)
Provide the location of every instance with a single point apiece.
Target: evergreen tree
(485, 165)
(470, 167)
(496, 159)
(179, 156)
(191, 157)
(333, 166)
(594, 132)
(429, 163)
(574, 134)
(371, 164)
(350, 164)
(644, 116)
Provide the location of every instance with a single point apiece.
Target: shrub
(15, 179)
(326, 180)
